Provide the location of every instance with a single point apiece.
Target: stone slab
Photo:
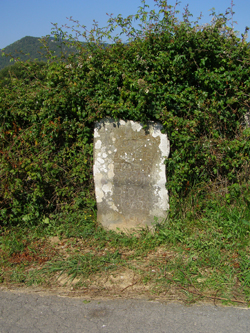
(129, 173)
(247, 119)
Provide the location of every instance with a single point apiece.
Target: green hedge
(195, 81)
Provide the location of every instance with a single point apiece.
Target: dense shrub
(194, 80)
(19, 71)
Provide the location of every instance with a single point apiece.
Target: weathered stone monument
(129, 173)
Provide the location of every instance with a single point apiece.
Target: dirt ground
(121, 283)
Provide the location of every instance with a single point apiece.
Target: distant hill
(33, 47)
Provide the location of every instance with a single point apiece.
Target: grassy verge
(202, 251)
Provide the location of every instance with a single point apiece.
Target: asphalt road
(21, 312)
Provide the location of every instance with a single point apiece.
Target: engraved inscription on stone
(129, 173)
(132, 174)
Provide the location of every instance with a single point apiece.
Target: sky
(20, 18)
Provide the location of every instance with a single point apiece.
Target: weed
(201, 250)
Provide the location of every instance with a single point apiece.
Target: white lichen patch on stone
(122, 123)
(164, 144)
(113, 206)
(100, 160)
(107, 188)
(136, 126)
(96, 134)
(98, 144)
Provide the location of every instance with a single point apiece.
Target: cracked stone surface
(29, 313)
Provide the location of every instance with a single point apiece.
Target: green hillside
(30, 48)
